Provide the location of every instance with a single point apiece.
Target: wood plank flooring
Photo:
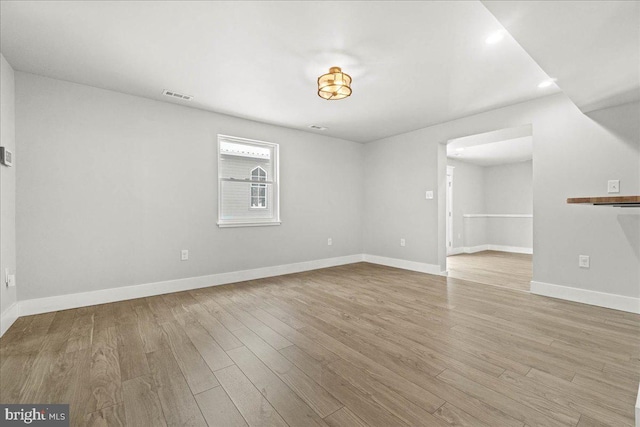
(352, 346)
(506, 269)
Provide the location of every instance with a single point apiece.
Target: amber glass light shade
(334, 85)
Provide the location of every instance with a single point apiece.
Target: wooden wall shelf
(618, 201)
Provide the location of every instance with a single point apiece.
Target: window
(248, 185)
(258, 191)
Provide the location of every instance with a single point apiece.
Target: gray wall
(574, 156)
(508, 189)
(501, 189)
(7, 185)
(112, 187)
(468, 198)
(514, 234)
(398, 171)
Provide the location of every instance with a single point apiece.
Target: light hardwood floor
(493, 268)
(348, 346)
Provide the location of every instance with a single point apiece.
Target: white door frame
(449, 209)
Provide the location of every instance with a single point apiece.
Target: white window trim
(275, 187)
(229, 224)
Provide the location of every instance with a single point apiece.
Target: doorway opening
(489, 208)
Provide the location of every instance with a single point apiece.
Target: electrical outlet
(402, 242)
(583, 261)
(429, 195)
(184, 255)
(613, 186)
(329, 241)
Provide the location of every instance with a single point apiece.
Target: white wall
(398, 171)
(468, 198)
(508, 189)
(111, 187)
(510, 234)
(7, 193)
(493, 190)
(574, 155)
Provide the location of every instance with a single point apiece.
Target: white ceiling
(592, 48)
(510, 145)
(496, 153)
(413, 63)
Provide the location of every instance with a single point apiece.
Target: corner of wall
(8, 307)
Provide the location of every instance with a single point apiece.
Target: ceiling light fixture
(459, 149)
(546, 83)
(334, 85)
(495, 37)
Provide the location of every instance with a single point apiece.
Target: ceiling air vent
(316, 127)
(173, 94)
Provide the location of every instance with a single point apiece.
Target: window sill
(247, 224)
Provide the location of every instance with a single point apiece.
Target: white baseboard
(600, 299)
(474, 249)
(513, 249)
(501, 248)
(8, 317)
(63, 302)
(455, 251)
(638, 408)
(404, 264)
(103, 296)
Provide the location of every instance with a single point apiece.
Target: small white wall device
(6, 157)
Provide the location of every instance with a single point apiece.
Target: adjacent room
(305, 213)
(490, 208)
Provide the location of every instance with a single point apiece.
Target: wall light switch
(402, 242)
(429, 195)
(9, 279)
(329, 241)
(583, 261)
(6, 157)
(184, 255)
(613, 186)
